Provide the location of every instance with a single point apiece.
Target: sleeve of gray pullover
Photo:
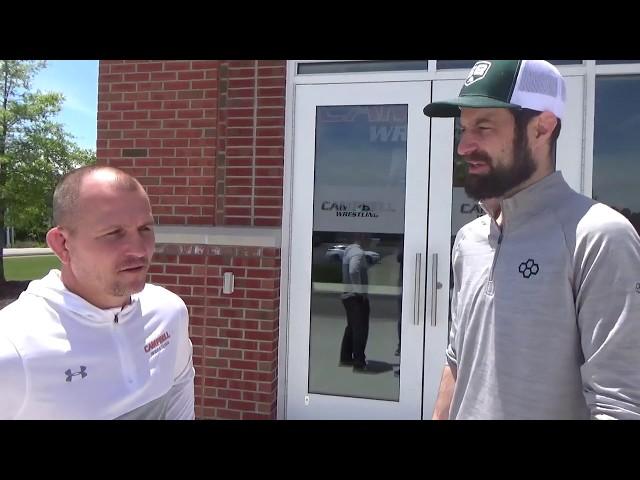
(358, 272)
(452, 359)
(607, 288)
(180, 404)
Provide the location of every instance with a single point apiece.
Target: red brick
(260, 314)
(149, 86)
(178, 269)
(214, 402)
(258, 335)
(135, 96)
(204, 65)
(271, 63)
(164, 279)
(185, 210)
(175, 123)
(257, 397)
(148, 142)
(111, 78)
(149, 67)
(267, 212)
(163, 76)
(161, 133)
(121, 106)
(257, 376)
(260, 356)
(243, 303)
(124, 87)
(227, 393)
(177, 65)
(256, 416)
(245, 406)
(190, 280)
(187, 133)
(244, 324)
(135, 77)
(267, 222)
(135, 134)
(177, 85)
(243, 385)
(172, 220)
(245, 261)
(230, 333)
(227, 414)
(268, 201)
(162, 95)
(149, 105)
(191, 113)
(238, 191)
(191, 75)
(227, 353)
(106, 98)
(195, 95)
(268, 191)
(243, 344)
(232, 374)
(135, 115)
(219, 382)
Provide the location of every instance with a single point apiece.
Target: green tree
(35, 150)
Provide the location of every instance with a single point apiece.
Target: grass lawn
(29, 268)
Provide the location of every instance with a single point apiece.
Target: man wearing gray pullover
(546, 300)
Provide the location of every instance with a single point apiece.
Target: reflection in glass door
(357, 244)
(358, 259)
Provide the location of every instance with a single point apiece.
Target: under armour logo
(71, 374)
(528, 268)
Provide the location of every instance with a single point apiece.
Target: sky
(77, 80)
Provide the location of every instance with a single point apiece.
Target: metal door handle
(435, 286)
(416, 301)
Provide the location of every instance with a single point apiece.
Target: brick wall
(234, 336)
(205, 138)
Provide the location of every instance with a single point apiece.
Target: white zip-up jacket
(546, 312)
(63, 358)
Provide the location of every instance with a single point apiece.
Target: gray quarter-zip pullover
(546, 310)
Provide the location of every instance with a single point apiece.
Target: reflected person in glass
(355, 300)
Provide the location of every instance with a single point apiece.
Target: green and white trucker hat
(515, 84)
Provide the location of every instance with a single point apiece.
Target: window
(616, 148)
(362, 66)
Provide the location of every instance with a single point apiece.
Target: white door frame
(574, 150)
(301, 403)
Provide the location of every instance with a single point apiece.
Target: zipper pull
(115, 319)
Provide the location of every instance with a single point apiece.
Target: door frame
(580, 171)
(423, 355)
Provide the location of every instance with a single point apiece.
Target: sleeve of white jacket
(180, 405)
(607, 270)
(13, 385)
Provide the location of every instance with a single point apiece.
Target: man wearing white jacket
(93, 340)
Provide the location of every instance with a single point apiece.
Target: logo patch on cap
(478, 72)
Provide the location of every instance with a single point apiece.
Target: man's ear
(57, 241)
(545, 124)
